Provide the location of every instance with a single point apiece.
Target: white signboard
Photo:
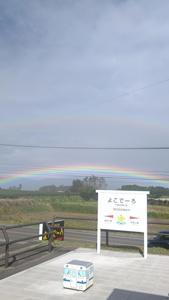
(122, 211)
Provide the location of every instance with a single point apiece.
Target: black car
(161, 240)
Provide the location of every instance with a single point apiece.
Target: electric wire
(84, 147)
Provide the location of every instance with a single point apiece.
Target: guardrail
(4, 229)
(7, 242)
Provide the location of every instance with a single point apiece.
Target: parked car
(160, 240)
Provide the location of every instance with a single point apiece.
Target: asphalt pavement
(84, 235)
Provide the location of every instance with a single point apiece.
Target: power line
(83, 147)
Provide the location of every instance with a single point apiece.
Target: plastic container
(78, 275)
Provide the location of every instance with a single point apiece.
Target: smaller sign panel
(57, 227)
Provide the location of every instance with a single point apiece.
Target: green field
(43, 208)
(40, 208)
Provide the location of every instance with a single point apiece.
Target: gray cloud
(64, 67)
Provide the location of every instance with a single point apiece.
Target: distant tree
(20, 187)
(88, 186)
(16, 188)
(155, 191)
(77, 186)
(133, 187)
(52, 189)
(95, 182)
(48, 189)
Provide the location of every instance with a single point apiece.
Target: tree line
(85, 187)
(155, 191)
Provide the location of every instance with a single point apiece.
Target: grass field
(36, 209)
(158, 211)
(46, 207)
(42, 208)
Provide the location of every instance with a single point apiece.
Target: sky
(83, 73)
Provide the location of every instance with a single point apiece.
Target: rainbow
(86, 170)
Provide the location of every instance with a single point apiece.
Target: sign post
(122, 211)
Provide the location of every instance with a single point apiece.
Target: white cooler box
(78, 275)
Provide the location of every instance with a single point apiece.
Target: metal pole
(6, 246)
(145, 232)
(107, 237)
(98, 239)
(50, 242)
(50, 237)
(145, 244)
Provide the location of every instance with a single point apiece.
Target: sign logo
(121, 220)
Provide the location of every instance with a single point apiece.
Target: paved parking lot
(117, 275)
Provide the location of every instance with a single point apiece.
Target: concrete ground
(117, 276)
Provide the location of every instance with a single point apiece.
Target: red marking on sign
(110, 216)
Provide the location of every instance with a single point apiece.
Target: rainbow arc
(86, 170)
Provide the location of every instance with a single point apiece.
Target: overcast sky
(72, 73)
